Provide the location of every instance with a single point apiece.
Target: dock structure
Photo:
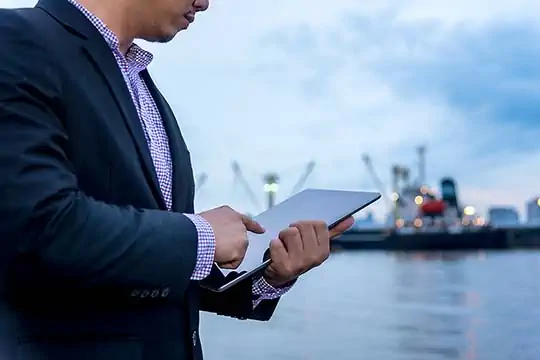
(519, 237)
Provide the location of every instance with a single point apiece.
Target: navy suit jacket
(91, 265)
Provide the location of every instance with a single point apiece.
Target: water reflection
(383, 306)
(432, 298)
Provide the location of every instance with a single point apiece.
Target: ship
(420, 218)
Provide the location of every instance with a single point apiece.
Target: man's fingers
(251, 225)
(278, 251)
(342, 227)
(279, 255)
(292, 242)
(231, 265)
(309, 236)
(321, 229)
(238, 257)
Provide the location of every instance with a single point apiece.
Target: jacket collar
(67, 14)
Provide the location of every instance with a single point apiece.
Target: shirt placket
(151, 131)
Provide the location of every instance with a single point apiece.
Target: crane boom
(240, 177)
(378, 182)
(304, 177)
(200, 181)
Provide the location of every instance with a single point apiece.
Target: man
(101, 256)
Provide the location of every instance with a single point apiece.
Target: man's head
(161, 20)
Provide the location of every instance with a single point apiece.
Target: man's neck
(115, 15)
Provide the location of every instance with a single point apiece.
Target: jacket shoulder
(17, 22)
(30, 66)
(26, 26)
(24, 34)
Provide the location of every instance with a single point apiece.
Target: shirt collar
(135, 55)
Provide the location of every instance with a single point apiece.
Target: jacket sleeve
(51, 234)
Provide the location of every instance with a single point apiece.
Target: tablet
(330, 206)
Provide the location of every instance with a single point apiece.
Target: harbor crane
(239, 176)
(376, 179)
(400, 180)
(200, 180)
(302, 181)
(399, 173)
(271, 184)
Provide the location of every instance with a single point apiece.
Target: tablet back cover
(329, 206)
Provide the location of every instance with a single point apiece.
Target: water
(482, 305)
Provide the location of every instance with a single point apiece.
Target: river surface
(387, 306)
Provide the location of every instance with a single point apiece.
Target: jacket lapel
(183, 182)
(101, 56)
(105, 63)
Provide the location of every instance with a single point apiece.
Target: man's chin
(163, 38)
(166, 39)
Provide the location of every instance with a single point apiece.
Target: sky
(276, 84)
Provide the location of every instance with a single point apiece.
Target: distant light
(538, 202)
(479, 221)
(469, 211)
(418, 222)
(395, 196)
(418, 200)
(424, 190)
(273, 188)
(400, 223)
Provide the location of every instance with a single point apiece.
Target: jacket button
(194, 338)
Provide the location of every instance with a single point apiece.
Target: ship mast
(421, 165)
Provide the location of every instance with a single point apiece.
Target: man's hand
(230, 230)
(300, 248)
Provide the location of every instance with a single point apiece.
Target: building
(533, 211)
(503, 216)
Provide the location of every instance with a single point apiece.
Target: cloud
(274, 84)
